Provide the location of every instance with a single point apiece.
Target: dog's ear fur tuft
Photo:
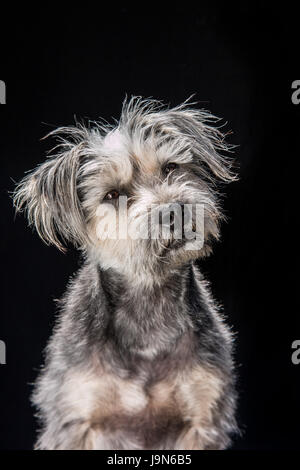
(184, 123)
(49, 193)
(207, 143)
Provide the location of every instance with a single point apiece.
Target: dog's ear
(188, 128)
(207, 142)
(49, 193)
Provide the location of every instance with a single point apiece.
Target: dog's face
(136, 197)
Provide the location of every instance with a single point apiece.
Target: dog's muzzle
(176, 222)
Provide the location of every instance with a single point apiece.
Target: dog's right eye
(170, 167)
(114, 194)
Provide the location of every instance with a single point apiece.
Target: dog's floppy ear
(49, 193)
(187, 127)
(207, 142)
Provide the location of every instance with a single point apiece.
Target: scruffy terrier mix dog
(140, 357)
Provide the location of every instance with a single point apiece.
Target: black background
(240, 62)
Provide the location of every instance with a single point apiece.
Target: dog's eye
(170, 167)
(114, 194)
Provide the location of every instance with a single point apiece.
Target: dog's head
(137, 196)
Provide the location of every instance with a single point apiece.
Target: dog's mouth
(174, 243)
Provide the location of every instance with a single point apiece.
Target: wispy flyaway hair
(51, 192)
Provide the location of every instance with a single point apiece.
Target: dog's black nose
(174, 217)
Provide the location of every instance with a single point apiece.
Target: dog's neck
(146, 319)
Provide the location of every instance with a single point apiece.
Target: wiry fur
(140, 357)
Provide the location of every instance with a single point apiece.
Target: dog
(140, 357)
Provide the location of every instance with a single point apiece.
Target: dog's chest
(144, 411)
(103, 393)
(113, 405)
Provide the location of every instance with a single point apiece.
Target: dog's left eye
(169, 168)
(114, 194)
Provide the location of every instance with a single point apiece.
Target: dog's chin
(173, 245)
(182, 250)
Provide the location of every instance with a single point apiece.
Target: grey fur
(140, 356)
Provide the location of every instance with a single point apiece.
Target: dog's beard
(145, 248)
